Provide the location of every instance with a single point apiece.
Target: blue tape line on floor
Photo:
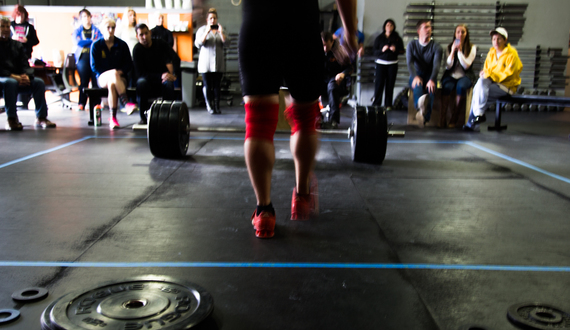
(44, 152)
(519, 162)
(469, 143)
(279, 265)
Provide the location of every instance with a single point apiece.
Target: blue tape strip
(279, 265)
(474, 145)
(519, 162)
(45, 152)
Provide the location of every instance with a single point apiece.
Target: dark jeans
(420, 90)
(461, 85)
(85, 74)
(212, 81)
(147, 88)
(385, 78)
(11, 89)
(334, 93)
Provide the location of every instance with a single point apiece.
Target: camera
(214, 27)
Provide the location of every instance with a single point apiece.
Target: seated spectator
(111, 62)
(458, 75)
(160, 32)
(16, 76)
(424, 57)
(83, 37)
(337, 69)
(499, 77)
(154, 69)
(338, 34)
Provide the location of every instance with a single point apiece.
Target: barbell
(168, 131)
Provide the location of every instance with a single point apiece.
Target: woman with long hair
(387, 47)
(458, 76)
(210, 39)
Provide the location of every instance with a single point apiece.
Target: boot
(208, 101)
(458, 106)
(217, 106)
(443, 111)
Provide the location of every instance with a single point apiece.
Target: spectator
(210, 39)
(458, 76)
(266, 59)
(339, 33)
(126, 30)
(154, 69)
(499, 77)
(111, 62)
(84, 37)
(23, 31)
(424, 57)
(160, 32)
(337, 69)
(16, 76)
(387, 47)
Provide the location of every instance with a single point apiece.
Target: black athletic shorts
(280, 44)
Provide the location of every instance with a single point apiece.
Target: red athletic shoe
(305, 207)
(264, 224)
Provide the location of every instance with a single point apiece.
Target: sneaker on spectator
(80, 107)
(113, 123)
(420, 115)
(44, 123)
(130, 108)
(13, 124)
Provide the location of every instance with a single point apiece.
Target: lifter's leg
(262, 113)
(304, 146)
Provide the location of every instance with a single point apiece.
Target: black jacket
(382, 41)
(13, 59)
(30, 33)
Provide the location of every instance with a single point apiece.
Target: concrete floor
(428, 240)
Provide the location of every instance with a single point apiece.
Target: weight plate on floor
(138, 303)
(358, 138)
(378, 137)
(168, 129)
(30, 294)
(538, 316)
(8, 315)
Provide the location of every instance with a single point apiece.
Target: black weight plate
(8, 315)
(30, 294)
(358, 138)
(379, 140)
(180, 129)
(153, 132)
(538, 316)
(157, 302)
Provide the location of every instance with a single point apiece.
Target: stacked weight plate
(168, 129)
(369, 134)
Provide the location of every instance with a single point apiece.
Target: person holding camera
(210, 39)
(387, 47)
(458, 74)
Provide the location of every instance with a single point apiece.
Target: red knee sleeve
(261, 120)
(303, 117)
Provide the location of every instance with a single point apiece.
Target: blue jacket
(103, 59)
(81, 42)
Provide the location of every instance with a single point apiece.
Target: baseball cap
(501, 31)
